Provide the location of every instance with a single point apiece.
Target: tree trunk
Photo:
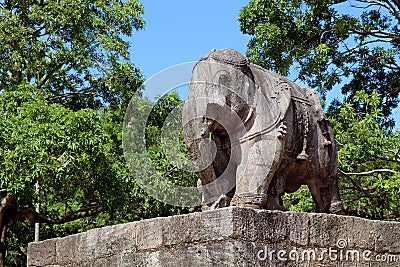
(5, 204)
(3, 246)
(9, 210)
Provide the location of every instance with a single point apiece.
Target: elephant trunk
(202, 151)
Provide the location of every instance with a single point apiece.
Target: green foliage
(68, 47)
(366, 147)
(54, 146)
(300, 200)
(355, 45)
(329, 43)
(165, 129)
(67, 152)
(161, 163)
(369, 161)
(76, 157)
(65, 82)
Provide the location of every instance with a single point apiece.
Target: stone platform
(228, 237)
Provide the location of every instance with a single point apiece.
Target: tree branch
(364, 195)
(377, 34)
(6, 201)
(394, 152)
(49, 74)
(393, 9)
(365, 191)
(66, 95)
(367, 173)
(385, 4)
(396, 2)
(363, 44)
(394, 160)
(394, 215)
(35, 217)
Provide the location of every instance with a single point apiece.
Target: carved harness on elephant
(302, 116)
(283, 92)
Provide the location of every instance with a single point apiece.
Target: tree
(66, 152)
(354, 44)
(65, 82)
(369, 158)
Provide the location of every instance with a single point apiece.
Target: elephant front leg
(208, 193)
(260, 160)
(216, 190)
(218, 180)
(276, 190)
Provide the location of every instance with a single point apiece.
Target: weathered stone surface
(299, 228)
(362, 233)
(149, 234)
(388, 237)
(228, 237)
(67, 249)
(253, 135)
(43, 253)
(325, 230)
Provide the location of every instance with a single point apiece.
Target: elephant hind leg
(336, 206)
(326, 196)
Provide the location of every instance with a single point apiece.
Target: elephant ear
(283, 93)
(276, 90)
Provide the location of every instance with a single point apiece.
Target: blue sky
(183, 31)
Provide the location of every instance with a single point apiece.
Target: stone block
(272, 226)
(388, 237)
(67, 248)
(183, 229)
(361, 233)
(244, 224)
(115, 240)
(299, 230)
(327, 229)
(228, 237)
(149, 234)
(42, 253)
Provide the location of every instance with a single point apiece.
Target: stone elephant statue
(253, 135)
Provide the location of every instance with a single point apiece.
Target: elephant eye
(224, 80)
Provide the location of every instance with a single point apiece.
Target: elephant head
(216, 111)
